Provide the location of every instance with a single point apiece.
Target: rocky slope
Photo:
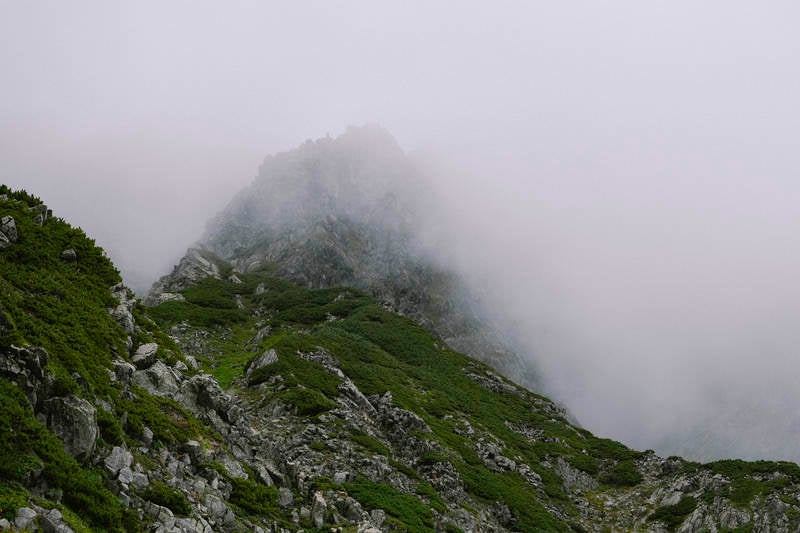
(242, 402)
(347, 212)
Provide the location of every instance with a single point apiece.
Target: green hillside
(249, 402)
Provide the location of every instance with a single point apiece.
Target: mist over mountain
(615, 185)
(355, 211)
(533, 297)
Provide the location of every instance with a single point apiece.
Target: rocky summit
(303, 370)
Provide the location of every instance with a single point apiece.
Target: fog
(619, 181)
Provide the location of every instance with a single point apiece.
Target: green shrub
(110, 430)
(254, 498)
(743, 491)
(12, 497)
(165, 496)
(624, 474)
(674, 515)
(369, 442)
(308, 402)
(412, 514)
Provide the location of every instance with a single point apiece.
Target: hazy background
(620, 180)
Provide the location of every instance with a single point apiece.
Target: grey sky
(622, 177)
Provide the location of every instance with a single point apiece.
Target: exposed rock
(349, 389)
(318, 509)
(123, 370)
(53, 522)
(285, 497)
(164, 297)
(265, 359)
(74, 420)
(24, 518)
(145, 355)
(574, 480)
(233, 278)
(397, 422)
(69, 255)
(8, 231)
(25, 367)
(158, 379)
(197, 264)
(40, 214)
(118, 459)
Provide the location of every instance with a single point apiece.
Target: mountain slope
(245, 402)
(348, 212)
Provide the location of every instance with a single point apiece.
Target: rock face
(197, 264)
(8, 232)
(26, 368)
(40, 214)
(122, 312)
(74, 420)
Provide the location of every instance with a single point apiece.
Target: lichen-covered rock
(8, 231)
(145, 355)
(118, 459)
(74, 420)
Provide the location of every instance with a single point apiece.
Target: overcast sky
(620, 177)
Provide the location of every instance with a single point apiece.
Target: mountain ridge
(347, 211)
(241, 401)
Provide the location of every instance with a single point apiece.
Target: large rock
(124, 318)
(158, 379)
(74, 420)
(145, 355)
(265, 359)
(122, 312)
(318, 509)
(24, 518)
(53, 522)
(40, 214)
(25, 367)
(8, 231)
(196, 265)
(123, 370)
